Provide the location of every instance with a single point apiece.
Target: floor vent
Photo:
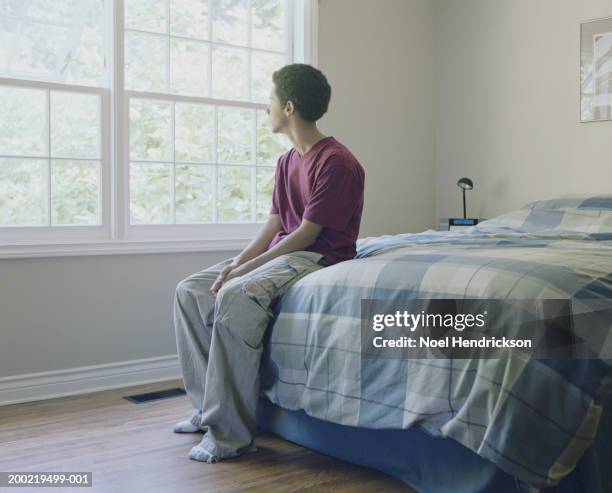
(155, 396)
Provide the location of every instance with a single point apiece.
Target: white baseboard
(49, 385)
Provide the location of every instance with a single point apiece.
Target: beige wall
(508, 104)
(379, 59)
(69, 312)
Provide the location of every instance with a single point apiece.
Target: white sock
(186, 427)
(199, 453)
(190, 425)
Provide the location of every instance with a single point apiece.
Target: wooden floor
(131, 448)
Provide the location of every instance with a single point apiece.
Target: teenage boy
(222, 312)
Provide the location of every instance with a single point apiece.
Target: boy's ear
(289, 108)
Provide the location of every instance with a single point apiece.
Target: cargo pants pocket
(265, 285)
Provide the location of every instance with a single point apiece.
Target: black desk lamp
(465, 184)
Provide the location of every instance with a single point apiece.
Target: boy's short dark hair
(306, 86)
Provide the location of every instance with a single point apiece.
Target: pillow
(576, 201)
(552, 218)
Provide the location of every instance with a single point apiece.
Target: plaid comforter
(532, 418)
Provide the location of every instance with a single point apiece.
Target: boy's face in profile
(276, 115)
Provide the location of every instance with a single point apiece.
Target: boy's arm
(257, 245)
(304, 236)
(261, 240)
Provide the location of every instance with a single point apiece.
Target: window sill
(120, 247)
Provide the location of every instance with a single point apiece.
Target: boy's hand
(223, 277)
(229, 272)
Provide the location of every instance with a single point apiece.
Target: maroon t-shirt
(324, 186)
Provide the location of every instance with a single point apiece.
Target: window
(134, 120)
(54, 99)
(51, 163)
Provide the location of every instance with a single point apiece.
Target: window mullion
(253, 112)
(216, 161)
(104, 164)
(120, 115)
(48, 111)
(249, 51)
(169, 87)
(210, 52)
(254, 166)
(173, 198)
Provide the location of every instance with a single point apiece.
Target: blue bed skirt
(426, 463)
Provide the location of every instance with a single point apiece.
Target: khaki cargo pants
(219, 342)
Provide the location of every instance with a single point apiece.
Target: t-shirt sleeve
(334, 197)
(274, 209)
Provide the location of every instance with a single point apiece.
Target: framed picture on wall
(596, 70)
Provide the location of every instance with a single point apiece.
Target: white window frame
(116, 235)
(33, 234)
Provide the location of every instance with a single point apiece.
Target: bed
(469, 425)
